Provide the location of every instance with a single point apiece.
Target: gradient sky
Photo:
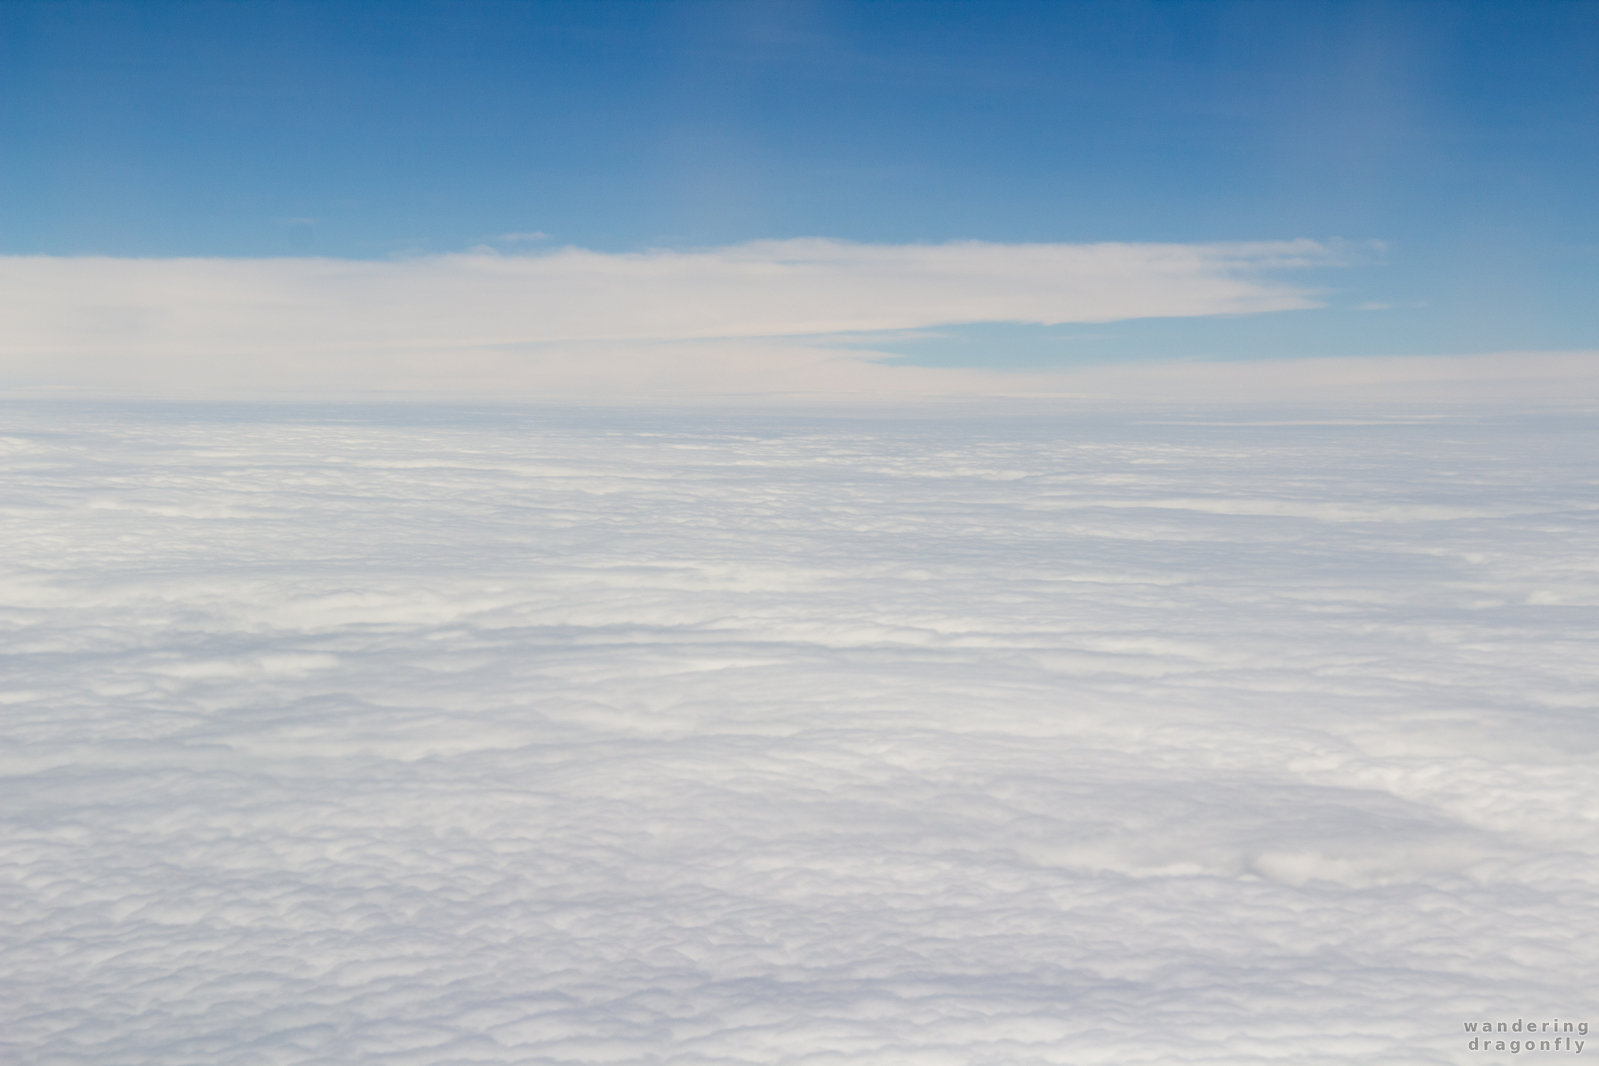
(1454, 145)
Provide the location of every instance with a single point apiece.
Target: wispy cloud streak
(255, 321)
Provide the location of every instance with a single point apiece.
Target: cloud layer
(428, 738)
(574, 318)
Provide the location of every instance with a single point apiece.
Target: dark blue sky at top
(1464, 135)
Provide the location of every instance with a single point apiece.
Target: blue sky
(1463, 137)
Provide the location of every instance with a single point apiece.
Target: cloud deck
(353, 737)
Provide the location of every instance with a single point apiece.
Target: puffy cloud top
(404, 737)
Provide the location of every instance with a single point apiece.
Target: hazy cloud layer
(418, 738)
(706, 320)
(1489, 380)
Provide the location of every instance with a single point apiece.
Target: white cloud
(1494, 379)
(510, 737)
(585, 320)
(773, 321)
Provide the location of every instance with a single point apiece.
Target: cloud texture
(574, 319)
(352, 737)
